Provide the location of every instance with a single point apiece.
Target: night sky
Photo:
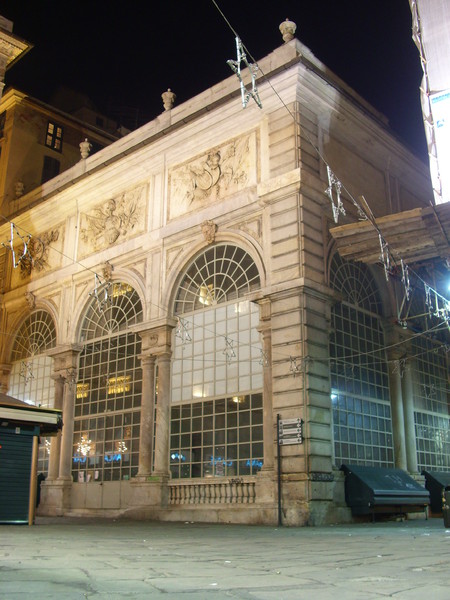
(125, 54)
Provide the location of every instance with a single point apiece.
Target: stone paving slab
(74, 559)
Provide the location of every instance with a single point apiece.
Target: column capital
(65, 357)
(156, 336)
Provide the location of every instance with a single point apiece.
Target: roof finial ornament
(288, 29)
(168, 99)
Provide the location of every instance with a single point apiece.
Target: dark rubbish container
(446, 506)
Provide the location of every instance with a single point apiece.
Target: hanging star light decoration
(405, 280)
(253, 69)
(294, 367)
(101, 293)
(229, 350)
(182, 332)
(10, 244)
(399, 367)
(334, 187)
(26, 371)
(384, 256)
(263, 360)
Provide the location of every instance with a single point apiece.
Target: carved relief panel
(221, 172)
(112, 221)
(38, 254)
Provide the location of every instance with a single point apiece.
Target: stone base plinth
(55, 497)
(148, 493)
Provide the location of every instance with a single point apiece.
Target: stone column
(150, 491)
(55, 443)
(408, 413)
(398, 430)
(5, 370)
(161, 466)
(65, 461)
(268, 421)
(147, 416)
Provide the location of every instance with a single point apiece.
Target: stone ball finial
(85, 148)
(288, 29)
(168, 99)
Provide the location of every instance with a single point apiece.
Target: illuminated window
(108, 399)
(216, 426)
(362, 426)
(31, 371)
(431, 405)
(54, 136)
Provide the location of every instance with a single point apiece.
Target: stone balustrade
(238, 490)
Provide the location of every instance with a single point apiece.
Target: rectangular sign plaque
(290, 431)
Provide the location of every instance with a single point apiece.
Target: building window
(431, 405)
(54, 136)
(50, 169)
(30, 379)
(108, 392)
(216, 425)
(362, 426)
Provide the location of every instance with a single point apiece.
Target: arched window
(108, 393)
(31, 371)
(362, 427)
(30, 375)
(216, 419)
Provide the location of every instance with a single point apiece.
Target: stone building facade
(179, 291)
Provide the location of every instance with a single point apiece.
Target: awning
(414, 235)
(16, 412)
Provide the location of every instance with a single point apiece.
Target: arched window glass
(30, 375)
(431, 404)
(216, 423)
(362, 427)
(31, 371)
(108, 392)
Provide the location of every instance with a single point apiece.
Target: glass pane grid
(362, 426)
(108, 391)
(217, 438)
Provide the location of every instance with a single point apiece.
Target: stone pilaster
(5, 370)
(151, 490)
(56, 491)
(147, 416)
(398, 430)
(408, 413)
(55, 443)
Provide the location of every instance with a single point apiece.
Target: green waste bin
(446, 505)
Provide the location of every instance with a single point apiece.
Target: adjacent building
(180, 291)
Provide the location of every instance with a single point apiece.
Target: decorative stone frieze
(37, 258)
(221, 172)
(112, 221)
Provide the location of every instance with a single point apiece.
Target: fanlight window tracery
(36, 335)
(355, 282)
(222, 273)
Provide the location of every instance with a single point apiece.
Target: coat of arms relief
(38, 257)
(219, 173)
(112, 221)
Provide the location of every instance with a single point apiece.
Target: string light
(252, 67)
(26, 371)
(101, 293)
(334, 185)
(229, 350)
(182, 332)
(10, 244)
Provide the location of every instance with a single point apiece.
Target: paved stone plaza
(99, 559)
